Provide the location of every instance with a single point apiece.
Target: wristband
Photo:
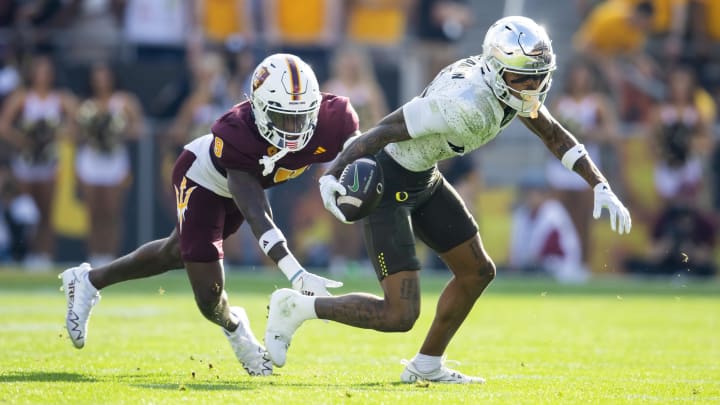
(270, 238)
(573, 155)
(290, 267)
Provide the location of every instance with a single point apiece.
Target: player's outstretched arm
(250, 198)
(390, 129)
(574, 156)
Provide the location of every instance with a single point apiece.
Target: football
(363, 181)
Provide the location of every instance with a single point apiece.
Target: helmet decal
(259, 78)
(294, 78)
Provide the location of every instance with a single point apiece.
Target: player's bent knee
(475, 282)
(405, 324)
(401, 321)
(488, 271)
(401, 325)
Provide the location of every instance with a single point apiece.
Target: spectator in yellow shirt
(380, 23)
(670, 25)
(222, 19)
(308, 29)
(613, 37)
(615, 28)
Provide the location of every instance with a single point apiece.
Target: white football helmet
(518, 45)
(285, 99)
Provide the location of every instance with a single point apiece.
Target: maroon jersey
(238, 144)
(203, 219)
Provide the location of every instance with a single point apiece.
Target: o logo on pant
(401, 196)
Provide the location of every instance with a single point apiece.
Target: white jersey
(456, 114)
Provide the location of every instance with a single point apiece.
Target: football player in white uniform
(466, 105)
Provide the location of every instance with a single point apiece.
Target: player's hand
(619, 215)
(329, 187)
(312, 284)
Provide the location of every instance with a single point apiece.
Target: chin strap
(534, 112)
(269, 161)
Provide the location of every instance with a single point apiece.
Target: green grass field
(612, 341)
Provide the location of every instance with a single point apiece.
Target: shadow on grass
(264, 382)
(394, 385)
(44, 376)
(229, 386)
(263, 283)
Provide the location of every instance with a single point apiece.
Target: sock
(234, 319)
(306, 307)
(425, 364)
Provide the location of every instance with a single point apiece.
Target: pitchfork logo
(182, 196)
(260, 76)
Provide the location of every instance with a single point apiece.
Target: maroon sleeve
(351, 120)
(337, 122)
(234, 144)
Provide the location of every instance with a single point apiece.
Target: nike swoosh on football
(356, 182)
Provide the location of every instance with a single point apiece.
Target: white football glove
(329, 187)
(312, 284)
(605, 198)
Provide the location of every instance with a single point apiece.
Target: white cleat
(442, 375)
(81, 298)
(251, 354)
(283, 321)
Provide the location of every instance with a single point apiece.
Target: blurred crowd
(89, 87)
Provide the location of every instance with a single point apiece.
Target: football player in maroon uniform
(219, 181)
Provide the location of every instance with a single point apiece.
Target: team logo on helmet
(260, 76)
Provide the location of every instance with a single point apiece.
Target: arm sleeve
(351, 123)
(423, 117)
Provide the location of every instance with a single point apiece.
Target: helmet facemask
(525, 102)
(286, 129)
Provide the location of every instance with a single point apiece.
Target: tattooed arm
(390, 129)
(559, 140)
